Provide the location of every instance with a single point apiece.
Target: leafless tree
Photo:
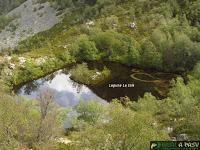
(48, 124)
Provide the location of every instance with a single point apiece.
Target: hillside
(163, 32)
(29, 18)
(154, 41)
(6, 6)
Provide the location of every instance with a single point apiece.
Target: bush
(183, 54)
(23, 124)
(82, 74)
(4, 21)
(120, 129)
(116, 47)
(90, 111)
(150, 57)
(85, 49)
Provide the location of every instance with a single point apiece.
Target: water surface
(69, 93)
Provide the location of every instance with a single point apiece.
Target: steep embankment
(30, 18)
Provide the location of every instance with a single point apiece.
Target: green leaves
(150, 57)
(121, 128)
(22, 124)
(90, 111)
(108, 45)
(85, 49)
(81, 73)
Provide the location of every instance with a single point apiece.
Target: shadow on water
(69, 92)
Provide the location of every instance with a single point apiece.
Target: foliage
(150, 56)
(120, 129)
(85, 49)
(108, 45)
(83, 74)
(165, 32)
(148, 103)
(89, 112)
(24, 123)
(176, 110)
(190, 125)
(4, 21)
(166, 37)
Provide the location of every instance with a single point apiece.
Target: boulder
(132, 25)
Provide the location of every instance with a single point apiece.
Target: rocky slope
(30, 18)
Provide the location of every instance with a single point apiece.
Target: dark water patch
(124, 81)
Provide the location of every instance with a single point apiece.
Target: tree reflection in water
(69, 92)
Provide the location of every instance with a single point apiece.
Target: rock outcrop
(30, 18)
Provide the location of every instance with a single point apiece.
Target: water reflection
(67, 92)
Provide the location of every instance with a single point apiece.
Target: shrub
(150, 57)
(120, 129)
(82, 74)
(85, 49)
(90, 111)
(116, 47)
(4, 21)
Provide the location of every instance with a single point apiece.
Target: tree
(85, 49)
(148, 103)
(120, 129)
(190, 125)
(48, 125)
(159, 39)
(181, 97)
(194, 13)
(150, 57)
(186, 53)
(28, 124)
(90, 111)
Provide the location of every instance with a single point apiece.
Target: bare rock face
(30, 18)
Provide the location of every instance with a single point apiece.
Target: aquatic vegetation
(161, 85)
(81, 73)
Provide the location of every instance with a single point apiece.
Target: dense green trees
(118, 128)
(108, 45)
(85, 49)
(166, 31)
(29, 124)
(155, 52)
(150, 56)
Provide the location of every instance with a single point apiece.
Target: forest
(153, 35)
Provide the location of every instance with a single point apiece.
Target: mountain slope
(8, 5)
(30, 18)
